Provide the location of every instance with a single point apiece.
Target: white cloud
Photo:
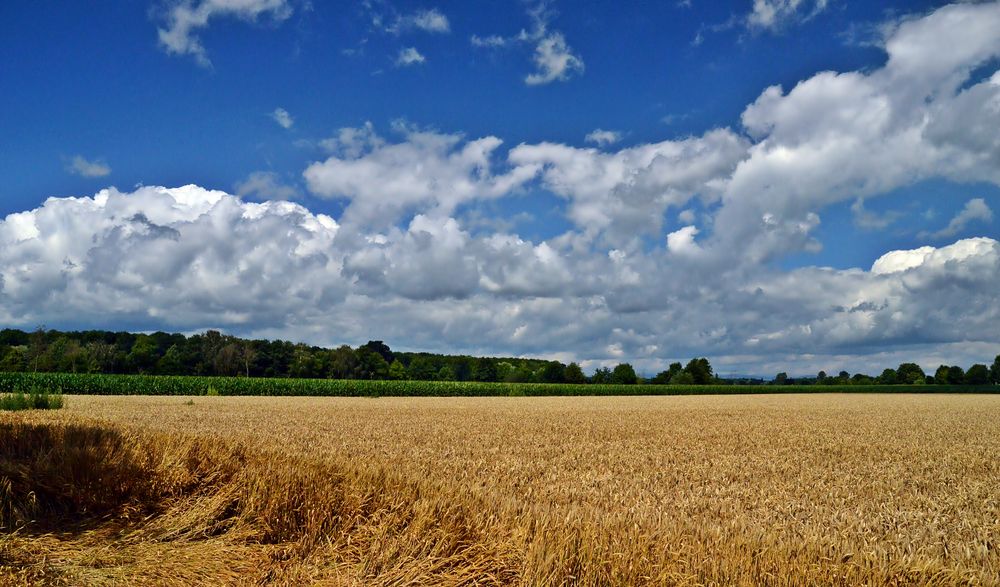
(409, 56)
(627, 192)
(774, 14)
(385, 18)
(974, 210)
(896, 261)
(554, 59)
(189, 258)
(681, 242)
(352, 142)
(184, 18)
(266, 185)
(402, 263)
(87, 168)
(431, 21)
(186, 257)
(428, 172)
(493, 41)
(843, 136)
(868, 220)
(283, 118)
(602, 137)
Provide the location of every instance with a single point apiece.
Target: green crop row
(35, 399)
(88, 384)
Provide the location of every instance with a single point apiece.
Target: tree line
(906, 374)
(215, 354)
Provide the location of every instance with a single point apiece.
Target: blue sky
(252, 98)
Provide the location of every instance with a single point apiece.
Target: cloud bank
(403, 262)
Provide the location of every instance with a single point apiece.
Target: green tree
(956, 375)
(144, 354)
(248, 356)
(670, 373)
(888, 377)
(910, 373)
(624, 374)
(103, 356)
(574, 374)
(15, 359)
(65, 355)
(682, 378)
(37, 345)
(485, 369)
(343, 363)
(228, 360)
(371, 365)
(171, 363)
(700, 371)
(446, 373)
(504, 369)
(462, 367)
(553, 372)
(397, 371)
(977, 374)
(995, 371)
(382, 349)
(601, 375)
(941, 375)
(821, 377)
(521, 374)
(781, 378)
(211, 343)
(421, 369)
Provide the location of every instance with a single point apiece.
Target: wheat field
(693, 490)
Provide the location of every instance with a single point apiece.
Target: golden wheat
(746, 490)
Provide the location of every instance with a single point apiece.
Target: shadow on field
(67, 478)
(88, 503)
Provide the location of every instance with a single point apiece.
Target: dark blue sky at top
(89, 78)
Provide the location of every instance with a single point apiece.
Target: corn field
(97, 384)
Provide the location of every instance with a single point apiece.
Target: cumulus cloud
(188, 258)
(843, 136)
(602, 137)
(681, 242)
(183, 257)
(409, 56)
(283, 118)
(426, 172)
(627, 191)
(88, 168)
(668, 253)
(974, 210)
(184, 18)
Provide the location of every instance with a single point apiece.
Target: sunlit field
(782, 490)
